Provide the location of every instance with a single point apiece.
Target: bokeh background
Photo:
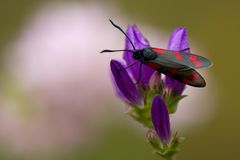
(56, 95)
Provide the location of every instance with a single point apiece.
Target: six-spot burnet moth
(179, 65)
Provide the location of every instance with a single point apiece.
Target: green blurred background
(212, 24)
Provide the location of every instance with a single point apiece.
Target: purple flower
(177, 42)
(124, 84)
(139, 42)
(160, 119)
(150, 88)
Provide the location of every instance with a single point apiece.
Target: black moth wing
(184, 58)
(177, 71)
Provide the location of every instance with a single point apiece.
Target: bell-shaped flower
(124, 84)
(139, 42)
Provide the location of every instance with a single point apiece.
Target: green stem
(170, 158)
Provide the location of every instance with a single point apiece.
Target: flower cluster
(153, 98)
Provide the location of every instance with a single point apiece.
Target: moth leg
(185, 49)
(140, 74)
(130, 65)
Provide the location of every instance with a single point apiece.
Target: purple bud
(139, 42)
(151, 134)
(160, 119)
(125, 84)
(155, 81)
(177, 42)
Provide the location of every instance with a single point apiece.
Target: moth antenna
(116, 26)
(107, 50)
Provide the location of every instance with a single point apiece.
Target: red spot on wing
(158, 50)
(197, 63)
(153, 65)
(190, 78)
(194, 76)
(186, 80)
(192, 58)
(195, 60)
(173, 70)
(178, 55)
(176, 52)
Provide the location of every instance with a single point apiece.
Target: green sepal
(142, 114)
(172, 103)
(165, 150)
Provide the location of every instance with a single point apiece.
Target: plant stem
(170, 158)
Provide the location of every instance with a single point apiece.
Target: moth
(179, 65)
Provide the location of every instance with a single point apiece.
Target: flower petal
(125, 84)
(177, 42)
(160, 118)
(139, 42)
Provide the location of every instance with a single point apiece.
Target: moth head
(137, 54)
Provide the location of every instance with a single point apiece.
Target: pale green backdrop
(212, 24)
